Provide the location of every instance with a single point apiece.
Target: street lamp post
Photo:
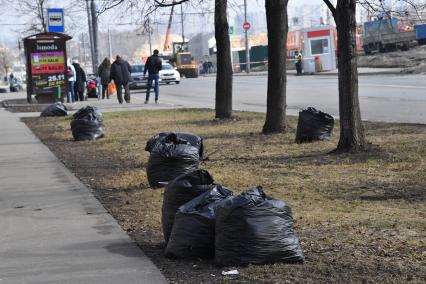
(109, 42)
(149, 36)
(150, 41)
(246, 39)
(181, 21)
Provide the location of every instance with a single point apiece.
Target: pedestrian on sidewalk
(80, 82)
(298, 61)
(120, 73)
(71, 81)
(206, 67)
(153, 67)
(104, 71)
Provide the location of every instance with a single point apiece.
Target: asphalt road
(391, 98)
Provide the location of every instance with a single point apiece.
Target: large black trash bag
(88, 124)
(170, 159)
(313, 125)
(193, 139)
(89, 113)
(194, 226)
(252, 228)
(56, 109)
(180, 191)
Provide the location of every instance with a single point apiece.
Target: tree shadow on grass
(313, 158)
(380, 191)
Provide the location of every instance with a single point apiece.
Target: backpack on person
(69, 71)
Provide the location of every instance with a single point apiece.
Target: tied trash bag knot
(88, 124)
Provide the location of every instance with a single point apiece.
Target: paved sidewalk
(110, 105)
(52, 229)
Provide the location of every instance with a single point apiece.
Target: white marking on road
(393, 86)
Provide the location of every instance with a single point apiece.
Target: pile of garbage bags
(170, 157)
(87, 124)
(250, 228)
(56, 109)
(313, 125)
(203, 219)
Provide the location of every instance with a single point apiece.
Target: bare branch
(330, 7)
(109, 7)
(164, 4)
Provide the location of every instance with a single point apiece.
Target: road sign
(55, 20)
(246, 26)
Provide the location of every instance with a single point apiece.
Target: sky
(10, 33)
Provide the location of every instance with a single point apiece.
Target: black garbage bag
(180, 191)
(88, 124)
(313, 125)
(89, 113)
(56, 109)
(252, 228)
(192, 139)
(170, 159)
(194, 226)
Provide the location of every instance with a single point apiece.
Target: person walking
(120, 73)
(71, 81)
(104, 71)
(298, 61)
(80, 81)
(152, 66)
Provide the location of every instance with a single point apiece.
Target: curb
(399, 72)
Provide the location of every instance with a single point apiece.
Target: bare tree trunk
(277, 23)
(224, 64)
(352, 138)
(94, 17)
(89, 24)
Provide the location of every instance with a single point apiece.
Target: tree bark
(352, 137)
(277, 24)
(224, 64)
(94, 16)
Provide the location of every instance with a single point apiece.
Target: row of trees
(352, 136)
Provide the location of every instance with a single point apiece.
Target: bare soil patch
(360, 218)
(412, 60)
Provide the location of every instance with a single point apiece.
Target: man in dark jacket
(120, 73)
(153, 66)
(80, 83)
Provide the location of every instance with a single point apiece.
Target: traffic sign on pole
(55, 20)
(246, 26)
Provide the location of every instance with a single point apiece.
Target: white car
(169, 74)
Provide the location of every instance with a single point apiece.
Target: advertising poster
(48, 66)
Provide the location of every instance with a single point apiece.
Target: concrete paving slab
(53, 230)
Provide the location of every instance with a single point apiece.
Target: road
(390, 98)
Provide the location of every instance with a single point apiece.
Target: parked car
(169, 74)
(138, 80)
